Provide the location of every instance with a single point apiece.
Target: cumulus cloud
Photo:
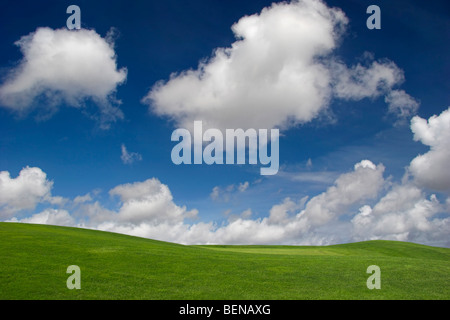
(279, 72)
(147, 209)
(363, 183)
(150, 202)
(272, 63)
(403, 211)
(286, 223)
(279, 213)
(65, 67)
(49, 216)
(24, 192)
(431, 169)
(307, 222)
(403, 214)
(129, 157)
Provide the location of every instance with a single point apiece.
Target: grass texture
(34, 261)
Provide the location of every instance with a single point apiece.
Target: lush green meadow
(34, 260)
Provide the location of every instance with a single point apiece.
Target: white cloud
(92, 214)
(316, 177)
(279, 213)
(243, 186)
(279, 72)
(360, 82)
(49, 216)
(402, 105)
(64, 66)
(23, 192)
(215, 193)
(150, 202)
(431, 169)
(227, 193)
(147, 209)
(129, 157)
(272, 63)
(403, 214)
(365, 164)
(351, 188)
(246, 214)
(82, 199)
(285, 224)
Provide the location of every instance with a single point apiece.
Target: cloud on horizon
(360, 205)
(25, 192)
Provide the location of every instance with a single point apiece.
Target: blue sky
(61, 155)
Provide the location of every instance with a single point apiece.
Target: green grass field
(34, 260)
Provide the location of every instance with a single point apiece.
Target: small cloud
(320, 177)
(402, 105)
(259, 180)
(82, 199)
(309, 163)
(215, 193)
(246, 214)
(230, 188)
(225, 194)
(129, 157)
(243, 186)
(56, 200)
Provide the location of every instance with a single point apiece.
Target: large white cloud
(403, 214)
(64, 66)
(23, 192)
(432, 169)
(279, 72)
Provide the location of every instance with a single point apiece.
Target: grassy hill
(34, 259)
